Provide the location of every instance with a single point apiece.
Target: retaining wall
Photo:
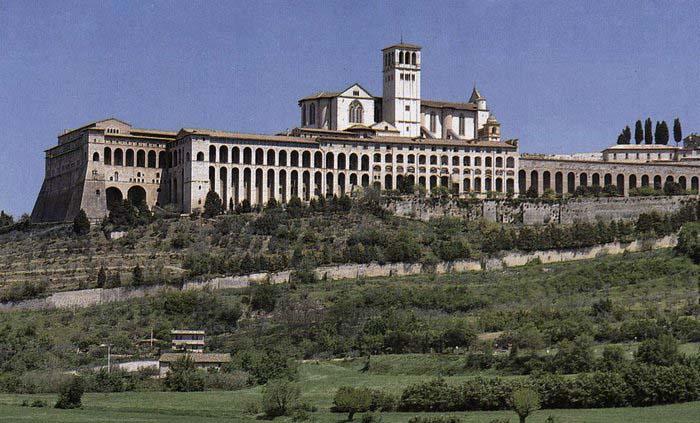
(90, 297)
(538, 212)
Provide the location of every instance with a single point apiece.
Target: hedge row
(635, 385)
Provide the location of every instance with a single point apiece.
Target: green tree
(114, 280)
(648, 136)
(352, 400)
(263, 297)
(627, 133)
(344, 203)
(689, 241)
(81, 224)
(5, 219)
(213, 205)
(638, 132)
(70, 394)
(101, 277)
(524, 402)
(662, 351)
(657, 133)
(279, 397)
(621, 138)
(295, 208)
(183, 376)
(137, 276)
(663, 136)
(677, 130)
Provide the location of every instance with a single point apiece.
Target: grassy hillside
(612, 299)
(39, 259)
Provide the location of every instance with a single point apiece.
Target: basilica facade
(346, 140)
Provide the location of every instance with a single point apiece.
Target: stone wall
(538, 212)
(91, 297)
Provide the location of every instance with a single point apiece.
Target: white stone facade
(347, 140)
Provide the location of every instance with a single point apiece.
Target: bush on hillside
(71, 394)
(183, 376)
(351, 400)
(689, 241)
(279, 397)
(213, 206)
(81, 224)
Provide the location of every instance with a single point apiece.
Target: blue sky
(560, 76)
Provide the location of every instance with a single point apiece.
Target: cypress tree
(101, 277)
(677, 131)
(663, 133)
(638, 132)
(648, 136)
(628, 134)
(81, 224)
(621, 138)
(657, 134)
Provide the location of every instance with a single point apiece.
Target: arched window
(303, 114)
(510, 162)
(401, 57)
(312, 114)
(108, 156)
(356, 112)
(141, 158)
(118, 157)
(212, 153)
(488, 161)
(95, 156)
(413, 59)
(151, 158)
(200, 157)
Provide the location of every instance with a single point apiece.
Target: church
(346, 141)
(400, 111)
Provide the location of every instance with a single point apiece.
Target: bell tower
(401, 88)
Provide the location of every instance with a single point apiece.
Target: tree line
(644, 135)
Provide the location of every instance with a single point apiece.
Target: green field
(318, 382)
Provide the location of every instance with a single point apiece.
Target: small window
(356, 92)
(408, 108)
(97, 192)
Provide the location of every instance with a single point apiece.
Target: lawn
(318, 381)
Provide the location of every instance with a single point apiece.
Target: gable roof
(448, 105)
(358, 86)
(333, 94)
(407, 46)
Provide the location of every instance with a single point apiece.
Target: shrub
(81, 224)
(689, 241)
(351, 400)
(213, 206)
(183, 376)
(101, 277)
(435, 419)
(371, 418)
(574, 357)
(137, 276)
(264, 297)
(295, 208)
(524, 402)
(18, 291)
(71, 394)
(279, 397)
(662, 351)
